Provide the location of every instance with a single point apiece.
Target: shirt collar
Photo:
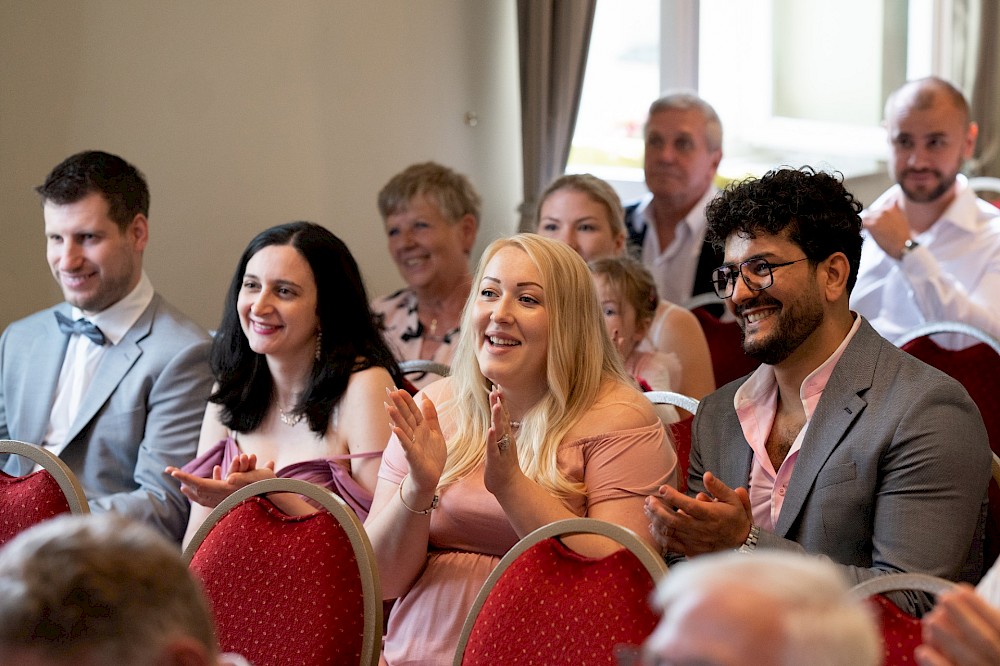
(694, 220)
(762, 382)
(116, 319)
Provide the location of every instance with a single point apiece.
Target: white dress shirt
(674, 269)
(954, 274)
(83, 358)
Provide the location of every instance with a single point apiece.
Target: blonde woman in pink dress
(538, 422)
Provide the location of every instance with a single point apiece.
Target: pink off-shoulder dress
(469, 533)
(330, 473)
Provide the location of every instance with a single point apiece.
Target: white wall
(248, 113)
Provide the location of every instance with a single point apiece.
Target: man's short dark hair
(120, 183)
(811, 207)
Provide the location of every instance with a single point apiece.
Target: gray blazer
(892, 473)
(143, 410)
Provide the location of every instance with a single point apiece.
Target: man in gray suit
(114, 380)
(840, 444)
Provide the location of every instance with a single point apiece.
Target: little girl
(628, 299)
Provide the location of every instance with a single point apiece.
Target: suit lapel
(117, 361)
(46, 358)
(839, 407)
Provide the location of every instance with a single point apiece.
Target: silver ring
(504, 442)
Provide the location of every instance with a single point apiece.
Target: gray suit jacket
(143, 410)
(892, 473)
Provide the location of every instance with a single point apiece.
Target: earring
(319, 343)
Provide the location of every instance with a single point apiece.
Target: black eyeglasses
(757, 275)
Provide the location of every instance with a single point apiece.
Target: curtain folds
(553, 39)
(976, 70)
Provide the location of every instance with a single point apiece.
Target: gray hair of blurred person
(595, 188)
(98, 589)
(820, 622)
(451, 191)
(688, 100)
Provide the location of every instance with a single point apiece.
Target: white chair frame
(954, 327)
(60, 471)
(901, 581)
(686, 403)
(424, 365)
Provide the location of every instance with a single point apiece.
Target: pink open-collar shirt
(756, 404)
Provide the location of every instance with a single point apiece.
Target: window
(794, 82)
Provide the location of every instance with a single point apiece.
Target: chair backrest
(680, 431)
(987, 185)
(900, 630)
(420, 368)
(725, 346)
(289, 590)
(546, 604)
(977, 367)
(37, 496)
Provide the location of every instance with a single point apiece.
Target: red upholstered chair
(978, 369)
(546, 604)
(37, 496)
(289, 590)
(680, 431)
(725, 340)
(900, 631)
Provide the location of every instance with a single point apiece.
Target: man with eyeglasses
(840, 444)
(933, 252)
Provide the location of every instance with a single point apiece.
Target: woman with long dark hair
(301, 376)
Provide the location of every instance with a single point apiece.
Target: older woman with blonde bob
(538, 422)
(430, 215)
(586, 213)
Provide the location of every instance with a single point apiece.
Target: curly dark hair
(811, 207)
(351, 341)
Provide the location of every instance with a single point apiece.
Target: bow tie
(80, 327)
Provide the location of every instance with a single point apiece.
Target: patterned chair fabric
(40, 495)
(900, 631)
(546, 604)
(289, 590)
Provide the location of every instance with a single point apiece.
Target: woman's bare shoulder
(618, 407)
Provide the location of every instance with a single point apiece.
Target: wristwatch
(909, 246)
(750, 544)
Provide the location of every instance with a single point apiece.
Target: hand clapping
(210, 492)
(502, 466)
(419, 433)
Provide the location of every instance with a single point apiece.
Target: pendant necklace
(290, 420)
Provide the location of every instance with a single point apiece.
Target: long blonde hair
(580, 359)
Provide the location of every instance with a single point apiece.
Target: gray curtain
(553, 39)
(976, 70)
